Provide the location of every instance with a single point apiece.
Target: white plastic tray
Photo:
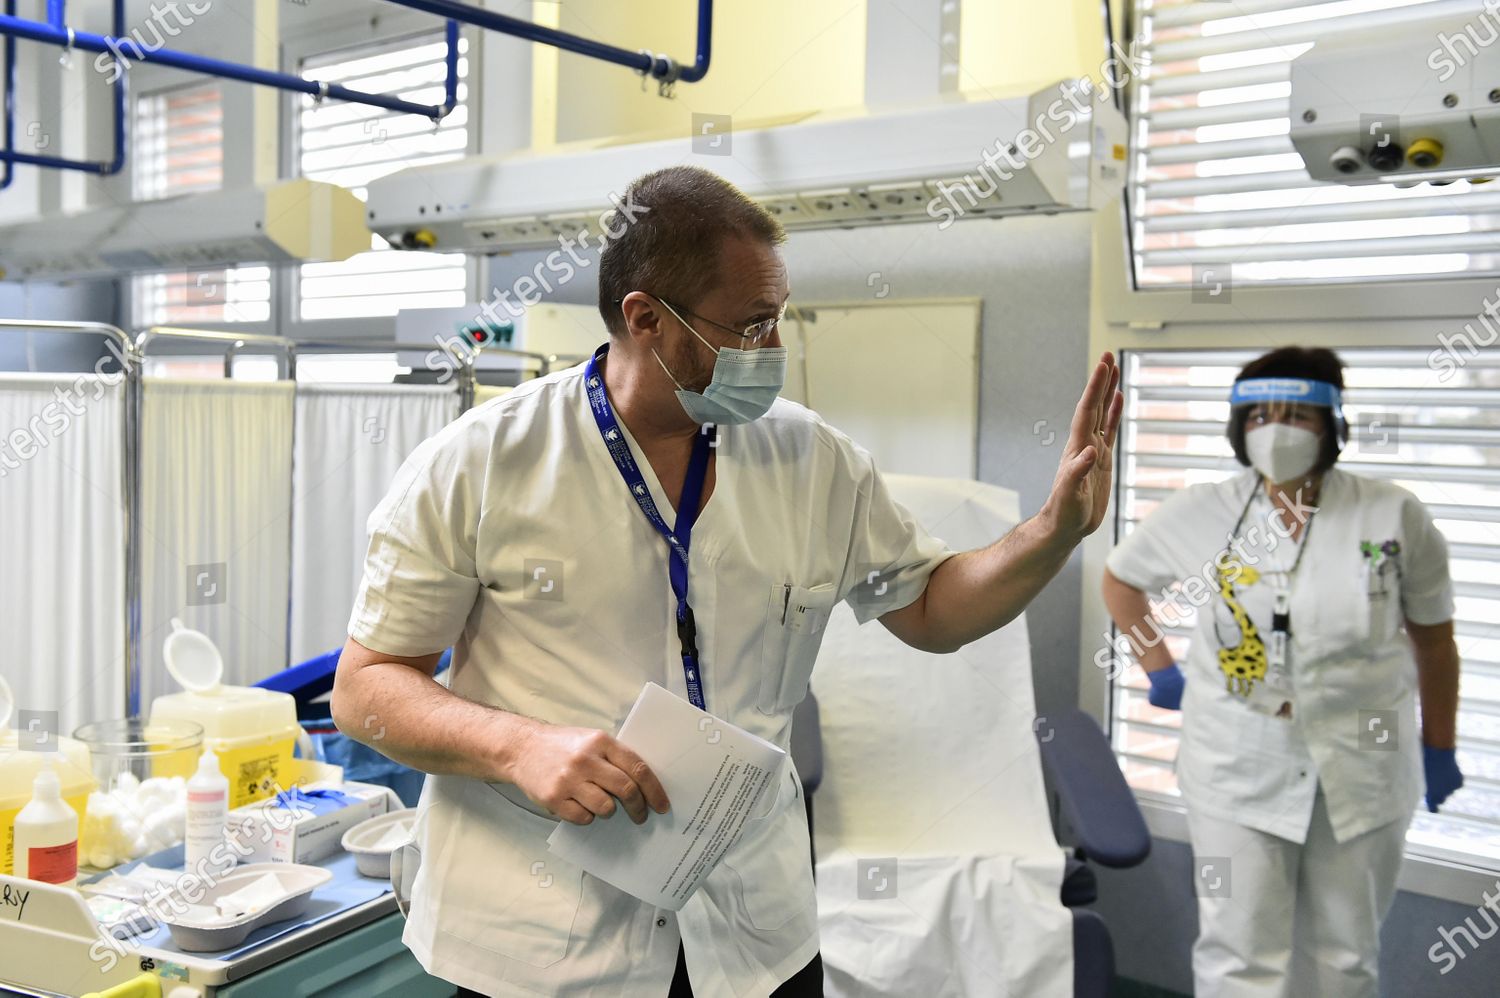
(297, 881)
(360, 841)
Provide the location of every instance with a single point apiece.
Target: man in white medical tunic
(654, 515)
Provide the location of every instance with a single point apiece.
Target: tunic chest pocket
(793, 630)
(1379, 588)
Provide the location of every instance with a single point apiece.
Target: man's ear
(642, 316)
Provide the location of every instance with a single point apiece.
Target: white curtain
(216, 484)
(62, 563)
(351, 440)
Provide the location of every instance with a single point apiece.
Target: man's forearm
(413, 719)
(974, 593)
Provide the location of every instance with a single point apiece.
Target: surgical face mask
(744, 383)
(1282, 453)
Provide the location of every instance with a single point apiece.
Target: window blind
(179, 142)
(1216, 184)
(351, 145)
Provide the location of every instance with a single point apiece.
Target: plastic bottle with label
(207, 814)
(46, 843)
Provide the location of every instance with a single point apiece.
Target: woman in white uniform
(1323, 605)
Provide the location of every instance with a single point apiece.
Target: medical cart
(348, 943)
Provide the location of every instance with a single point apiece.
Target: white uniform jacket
(511, 535)
(1373, 557)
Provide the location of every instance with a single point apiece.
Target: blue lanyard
(679, 538)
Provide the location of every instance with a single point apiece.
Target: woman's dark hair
(1311, 363)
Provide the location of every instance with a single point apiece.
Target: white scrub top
(1373, 557)
(512, 536)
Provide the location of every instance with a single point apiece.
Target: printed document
(717, 776)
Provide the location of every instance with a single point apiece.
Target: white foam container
(297, 881)
(361, 840)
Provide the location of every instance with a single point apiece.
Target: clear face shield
(1284, 423)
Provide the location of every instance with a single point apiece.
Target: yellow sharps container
(252, 731)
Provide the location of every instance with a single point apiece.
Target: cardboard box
(304, 824)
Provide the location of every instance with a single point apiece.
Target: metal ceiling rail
(657, 66)
(8, 154)
(125, 50)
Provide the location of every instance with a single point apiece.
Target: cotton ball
(176, 822)
(159, 828)
(126, 782)
(101, 808)
(102, 805)
(101, 858)
(139, 847)
(153, 794)
(114, 841)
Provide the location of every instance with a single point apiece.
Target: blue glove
(1166, 687)
(1441, 768)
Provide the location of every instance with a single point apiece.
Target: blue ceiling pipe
(8, 124)
(657, 66)
(127, 49)
(121, 108)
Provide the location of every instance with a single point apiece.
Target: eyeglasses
(753, 334)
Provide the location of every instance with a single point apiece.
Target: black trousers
(806, 983)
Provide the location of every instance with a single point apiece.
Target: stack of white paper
(716, 776)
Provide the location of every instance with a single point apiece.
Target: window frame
(1410, 313)
(396, 25)
(158, 83)
(1121, 300)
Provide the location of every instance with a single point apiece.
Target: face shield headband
(1303, 391)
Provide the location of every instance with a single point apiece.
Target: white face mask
(1282, 453)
